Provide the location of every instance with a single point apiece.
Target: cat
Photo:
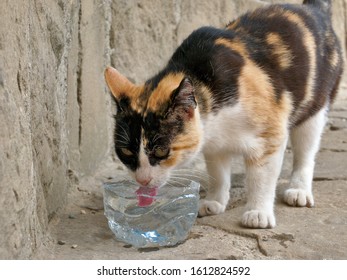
(245, 89)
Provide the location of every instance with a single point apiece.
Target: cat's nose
(143, 182)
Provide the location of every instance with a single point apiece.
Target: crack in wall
(79, 74)
(345, 8)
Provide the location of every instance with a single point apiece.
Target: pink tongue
(145, 196)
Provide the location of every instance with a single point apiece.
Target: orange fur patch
(172, 160)
(186, 141)
(235, 45)
(120, 87)
(258, 98)
(269, 116)
(334, 58)
(234, 24)
(162, 93)
(204, 99)
(117, 83)
(280, 50)
(134, 95)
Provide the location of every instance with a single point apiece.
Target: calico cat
(243, 89)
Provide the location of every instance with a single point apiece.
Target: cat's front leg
(261, 180)
(217, 197)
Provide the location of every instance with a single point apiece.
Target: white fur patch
(230, 131)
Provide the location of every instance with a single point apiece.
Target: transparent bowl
(155, 218)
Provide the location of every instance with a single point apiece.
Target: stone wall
(55, 111)
(33, 140)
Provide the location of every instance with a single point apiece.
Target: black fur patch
(203, 62)
(127, 135)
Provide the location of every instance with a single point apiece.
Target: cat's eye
(161, 152)
(126, 152)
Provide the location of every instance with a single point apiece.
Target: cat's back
(294, 46)
(288, 37)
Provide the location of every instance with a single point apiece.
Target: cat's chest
(230, 130)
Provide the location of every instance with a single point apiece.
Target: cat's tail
(323, 5)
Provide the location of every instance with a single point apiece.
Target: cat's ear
(183, 98)
(117, 83)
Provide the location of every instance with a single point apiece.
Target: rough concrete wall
(53, 115)
(33, 142)
(55, 111)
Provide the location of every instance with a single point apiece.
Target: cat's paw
(210, 207)
(298, 197)
(258, 219)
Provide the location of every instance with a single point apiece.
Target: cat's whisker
(181, 178)
(177, 182)
(122, 141)
(189, 178)
(169, 183)
(192, 176)
(157, 137)
(193, 173)
(173, 179)
(122, 137)
(126, 136)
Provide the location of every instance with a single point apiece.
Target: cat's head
(157, 127)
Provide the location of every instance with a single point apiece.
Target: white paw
(298, 197)
(258, 219)
(210, 207)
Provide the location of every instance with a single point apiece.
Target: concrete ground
(80, 231)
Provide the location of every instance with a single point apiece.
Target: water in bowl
(155, 218)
